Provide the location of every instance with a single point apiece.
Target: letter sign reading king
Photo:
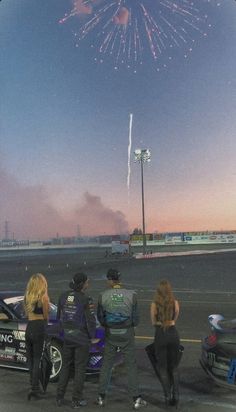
(6, 338)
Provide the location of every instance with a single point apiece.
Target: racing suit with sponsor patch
(78, 327)
(117, 311)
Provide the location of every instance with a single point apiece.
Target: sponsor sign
(6, 357)
(186, 238)
(139, 238)
(10, 350)
(19, 335)
(13, 347)
(6, 338)
(173, 239)
(21, 358)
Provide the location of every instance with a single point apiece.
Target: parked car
(12, 337)
(218, 357)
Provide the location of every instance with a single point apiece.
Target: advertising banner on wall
(191, 238)
(210, 239)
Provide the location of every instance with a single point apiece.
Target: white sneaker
(139, 402)
(100, 401)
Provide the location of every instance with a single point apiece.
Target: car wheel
(56, 358)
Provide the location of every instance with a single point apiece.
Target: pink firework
(129, 32)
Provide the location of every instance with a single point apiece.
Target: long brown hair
(165, 302)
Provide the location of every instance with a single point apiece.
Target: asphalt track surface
(203, 284)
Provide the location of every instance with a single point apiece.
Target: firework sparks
(127, 31)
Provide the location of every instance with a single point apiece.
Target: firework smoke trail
(129, 150)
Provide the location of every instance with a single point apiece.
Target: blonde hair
(36, 288)
(165, 302)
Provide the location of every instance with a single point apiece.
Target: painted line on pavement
(182, 253)
(182, 340)
(193, 301)
(194, 291)
(188, 402)
(219, 404)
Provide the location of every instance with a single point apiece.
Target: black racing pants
(77, 357)
(34, 339)
(167, 353)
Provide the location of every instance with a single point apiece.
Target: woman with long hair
(164, 312)
(36, 302)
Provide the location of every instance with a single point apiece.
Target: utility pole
(141, 156)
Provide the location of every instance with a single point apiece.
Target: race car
(12, 337)
(218, 357)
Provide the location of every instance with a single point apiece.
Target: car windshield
(16, 305)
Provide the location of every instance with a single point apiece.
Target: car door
(12, 339)
(19, 343)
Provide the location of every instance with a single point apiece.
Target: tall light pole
(141, 156)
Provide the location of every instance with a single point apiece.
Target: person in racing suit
(78, 322)
(117, 311)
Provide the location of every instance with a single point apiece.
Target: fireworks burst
(127, 31)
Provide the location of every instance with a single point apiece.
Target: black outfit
(34, 339)
(78, 327)
(166, 342)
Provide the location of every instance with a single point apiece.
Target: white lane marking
(219, 404)
(205, 292)
(197, 302)
(140, 337)
(194, 291)
(187, 402)
(182, 253)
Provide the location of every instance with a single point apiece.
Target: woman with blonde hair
(164, 312)
(36, 302)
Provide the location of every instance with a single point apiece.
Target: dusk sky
(65, 107)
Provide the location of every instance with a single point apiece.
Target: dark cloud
(31, 216)
(95, 218)
(28, 210)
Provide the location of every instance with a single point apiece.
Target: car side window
(20, 310)
(4, 315)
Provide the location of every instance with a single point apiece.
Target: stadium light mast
(142, 156)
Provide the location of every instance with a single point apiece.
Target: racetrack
(203, 284)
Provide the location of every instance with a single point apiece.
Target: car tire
(56, 358)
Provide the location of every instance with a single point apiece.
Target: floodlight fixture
(142, 155)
